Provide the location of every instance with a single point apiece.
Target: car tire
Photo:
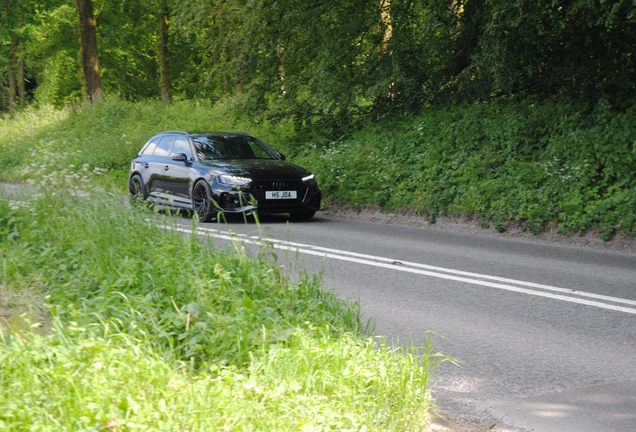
(137, 189)
(302, 216)
(202, 204)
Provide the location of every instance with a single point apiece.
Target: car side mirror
(281, 156)
(180, 157)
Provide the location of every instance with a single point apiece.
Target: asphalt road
(546, 334)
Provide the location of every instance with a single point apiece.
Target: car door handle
(146, 165)
(167, 167)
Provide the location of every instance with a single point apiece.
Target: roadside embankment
(126, 318)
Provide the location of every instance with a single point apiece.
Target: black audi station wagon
(231, 172)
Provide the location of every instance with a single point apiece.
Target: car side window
(258, 151)
(181, 145)
(149, 149)
(163, 146)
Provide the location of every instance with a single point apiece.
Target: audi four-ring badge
(229, 172)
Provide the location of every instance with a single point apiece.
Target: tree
(12, 72)
(323, 63)
(19, 52)
(164, 54)
(90, 59)
(13, 23)
(578, 48)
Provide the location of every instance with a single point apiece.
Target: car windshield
(220, 146)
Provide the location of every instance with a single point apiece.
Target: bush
(538, 162)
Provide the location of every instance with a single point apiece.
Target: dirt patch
(453, 418)
(593, 238)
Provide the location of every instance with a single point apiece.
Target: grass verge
(150, 330)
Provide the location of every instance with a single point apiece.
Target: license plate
(280, 194)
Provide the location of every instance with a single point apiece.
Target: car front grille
(275, 185)
(259, 188)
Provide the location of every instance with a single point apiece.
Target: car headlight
(234, 180)
(310, 179)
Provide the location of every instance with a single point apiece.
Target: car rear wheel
(202, 202)
(302, 216)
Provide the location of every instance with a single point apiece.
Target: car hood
(259, 169)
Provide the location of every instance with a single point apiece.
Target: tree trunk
(21, 83)
(21, 77)
(164, 65)
(90, 60)
(13, 91)
(280, 52)
(385, 25)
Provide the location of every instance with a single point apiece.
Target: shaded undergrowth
(552, 164)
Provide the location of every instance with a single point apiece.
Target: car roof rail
(217, 132)
(181, 132)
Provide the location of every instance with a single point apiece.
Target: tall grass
(157, 331)
(107, 136)
(198, 300)
(101, 378)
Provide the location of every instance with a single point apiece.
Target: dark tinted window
(209, 147)
(181, 145)
(163, 146)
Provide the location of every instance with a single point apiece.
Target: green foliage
(128, 48)
(543, 163)
(99, 377)
(52, 55)
(578, 47)
(198, 301)
(328, 65)
(143, 316)
(538, 162)
(304, 61)
(37, 142)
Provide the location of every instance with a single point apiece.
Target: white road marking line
(429, 267)
(408, 267)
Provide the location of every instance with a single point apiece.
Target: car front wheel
(202, 202)
(136, 189)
